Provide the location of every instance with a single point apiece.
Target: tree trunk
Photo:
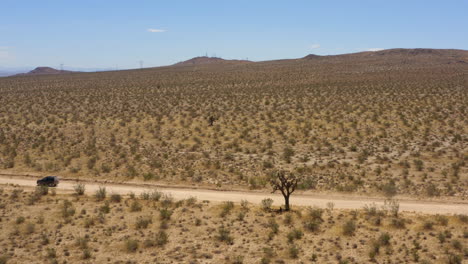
(286, 202)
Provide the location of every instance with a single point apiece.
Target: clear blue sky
(101, 33)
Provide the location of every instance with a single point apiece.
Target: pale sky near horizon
(109, 34)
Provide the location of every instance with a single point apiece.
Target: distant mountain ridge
(45, 71)
(418, 52)
(203, 60)
(419, 57)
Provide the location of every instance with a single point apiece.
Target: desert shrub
(165, 214)
(105, 168)
(314, 219)
(393, 207)
(307, 183)
(427, 225)
(115, 198)
(266, 204)
(257, 182)
(155, 196)
(88, 222)
(371, 210)
(390, 189)
(100, 194)
(454, 259)
(374, 249)
(15, 194)
(362, 157)
(349, 227)
(288, 219)
(191, 201)
(32, 199)
(82, 242)
(269, 252)
(30, 228)
(441, 236)
(384, 239)
(463, 218)
(166, 200)
(224, 235)
(312, 225)
(40, 219)
(135, 206)
(148, 176)
(293, 251)
(398, 222)
(67, 210)
(441, 220)
(432, 190)
(105, 209)
(44, 239)
(91, 162)
(419, 164)
(313, 257)
(164, 224)
(245, 205)
(145, 196)
(20, 220)
(241, 216)
(161, 238)
(4, 259)
(295, 234)
(179, 204)
(315, 213)
(86, 254)
(132, 171)
(288, 153)
(273, 225)
(149, 243)
(456, 244)
(41, 190)
(79, 189)
(237, 259)
(131, 245)
(142, 222)
(51, 253)
(267, 164)
(226, 208)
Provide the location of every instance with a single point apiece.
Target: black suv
(50, 181)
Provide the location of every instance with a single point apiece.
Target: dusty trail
(427, 207)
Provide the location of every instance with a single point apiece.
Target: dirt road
(253, 197)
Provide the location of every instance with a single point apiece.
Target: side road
(419, 206)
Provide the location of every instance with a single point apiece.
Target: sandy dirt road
(419, 206)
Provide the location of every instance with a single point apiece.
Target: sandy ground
(421, 206)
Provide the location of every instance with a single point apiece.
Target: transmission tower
(141, 64)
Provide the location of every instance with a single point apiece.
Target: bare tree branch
(286, 182)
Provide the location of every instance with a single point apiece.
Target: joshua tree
(286, 182)
(211, 120)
